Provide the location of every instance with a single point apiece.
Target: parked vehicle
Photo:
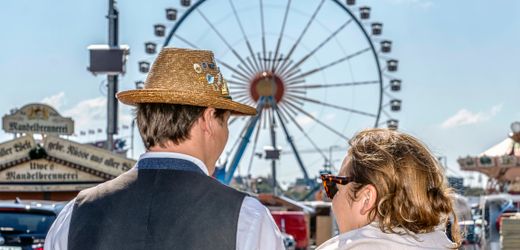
(293, 223)
(24, 224)
(492, 207)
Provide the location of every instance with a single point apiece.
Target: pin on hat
(185, 76)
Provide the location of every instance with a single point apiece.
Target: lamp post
(113, 41)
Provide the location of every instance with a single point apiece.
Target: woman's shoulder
(371, 237)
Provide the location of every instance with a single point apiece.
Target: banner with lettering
(16, 149)
(37, 118)
(45, 171)
(87, 156)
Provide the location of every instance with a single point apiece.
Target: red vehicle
(293, 223)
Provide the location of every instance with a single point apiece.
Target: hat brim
(134, 97)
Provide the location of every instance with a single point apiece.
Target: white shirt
(371, 237)
(256, 228)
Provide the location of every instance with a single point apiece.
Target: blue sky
(458, 62)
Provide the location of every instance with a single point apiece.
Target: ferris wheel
(317, 71)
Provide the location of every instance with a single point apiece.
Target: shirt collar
(186, 157)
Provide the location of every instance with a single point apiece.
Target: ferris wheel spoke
(218, 61)
(285, 119)
(310, 72)
(241, 95)
(280, 37)
(297, 125)
(292, 99)
(319, 86)
(240, 73)
(232, 120)
(291, 51)
(243, 70)
(248, 44)
(184, 40)
(334, 106)
(296, 91)
(263, 32)
(295, 82)
(239, 78)
(241, 88)
(288, 108)
(250, 71)
(304, 58)
(253, 152)
(236, 83)
(257, 67)
(319, 121)
(289, 138)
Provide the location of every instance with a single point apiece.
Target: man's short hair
(159, 122)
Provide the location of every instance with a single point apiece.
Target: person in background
(169, 199)
(391, 194)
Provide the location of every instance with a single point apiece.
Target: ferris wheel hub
(267, 84)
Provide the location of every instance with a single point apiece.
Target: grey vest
(166, 203)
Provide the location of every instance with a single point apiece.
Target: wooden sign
(37, 119)
(45, 171)
(16, 149)
(87, 156)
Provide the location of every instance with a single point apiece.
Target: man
(168, 200)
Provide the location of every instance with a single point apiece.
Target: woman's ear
(368, 197)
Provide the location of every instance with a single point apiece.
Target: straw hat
(184, 76)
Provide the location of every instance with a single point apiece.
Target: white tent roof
(503, 148)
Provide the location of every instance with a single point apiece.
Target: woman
(391, 194)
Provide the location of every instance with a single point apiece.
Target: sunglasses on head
(330, 181)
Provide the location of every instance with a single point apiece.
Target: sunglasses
(330, 181)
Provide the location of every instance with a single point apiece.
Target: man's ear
(208, 121)
(368, 197)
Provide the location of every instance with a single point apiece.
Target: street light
(351, 2)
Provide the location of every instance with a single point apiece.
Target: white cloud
(466, 117)
(89, 114)
(426, 4)
(55, 101)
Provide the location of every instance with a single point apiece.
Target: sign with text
(37, 119)
(44, 187)
(16, 149)
(45, 171)
(86, 155)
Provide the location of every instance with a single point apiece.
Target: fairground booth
(501, 163)
(41, 163)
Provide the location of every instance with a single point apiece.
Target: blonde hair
(412, 193)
